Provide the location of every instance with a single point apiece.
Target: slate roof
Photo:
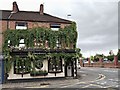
(31, 16)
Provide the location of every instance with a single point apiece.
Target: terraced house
(37, 45)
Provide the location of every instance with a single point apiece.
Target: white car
(90, 62)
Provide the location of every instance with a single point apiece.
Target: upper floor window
(22, 43)
(55, 27)
(58, 45)
(21, 25)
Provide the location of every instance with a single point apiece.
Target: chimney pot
(41, 9)
(15, 7)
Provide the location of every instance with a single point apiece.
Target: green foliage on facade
(67, 38)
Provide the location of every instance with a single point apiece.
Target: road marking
(37, 86)
(93, 85)
(110, 71)
(100, 77)
(84, 75)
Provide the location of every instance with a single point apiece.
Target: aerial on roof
(40, 16)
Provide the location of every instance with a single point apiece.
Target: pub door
(69, 69)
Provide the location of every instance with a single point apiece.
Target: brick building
(16, 19)
(24, 20)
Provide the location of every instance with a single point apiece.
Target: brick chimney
(41, 9)
(15, 7)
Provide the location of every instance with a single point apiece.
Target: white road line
(110, 71)
(98, 79)
(93, 85)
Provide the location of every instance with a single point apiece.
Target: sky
(97, 20)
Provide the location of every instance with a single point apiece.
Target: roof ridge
(57, 17)
(35, 17)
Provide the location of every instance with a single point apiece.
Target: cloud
(97, 26)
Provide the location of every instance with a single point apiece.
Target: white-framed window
(22, 43)
(8, 43)
(55, 27)
(21, 25)
(58, 45)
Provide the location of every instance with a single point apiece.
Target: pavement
(88, 77)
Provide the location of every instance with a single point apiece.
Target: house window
(8, 43)
(21, 25)
(55, 27)
(58, 45)
(22, 43)
(54, 65)
(22, 66)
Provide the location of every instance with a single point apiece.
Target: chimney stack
(15, 7)
(41, 9)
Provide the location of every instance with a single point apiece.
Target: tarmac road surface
(88, 77)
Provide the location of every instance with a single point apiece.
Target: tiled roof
(31, 16)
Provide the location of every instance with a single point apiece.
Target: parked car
(106, 60)
(87, 62)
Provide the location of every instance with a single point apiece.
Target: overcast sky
(97, 20)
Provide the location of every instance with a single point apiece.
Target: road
(97, 78)
(89, 77)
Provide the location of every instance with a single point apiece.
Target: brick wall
(104, 65)
(30, 25)
(100, 63)
(12, 25)
(3, 27)
(63, 25)
(38, 24)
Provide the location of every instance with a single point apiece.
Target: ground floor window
(55, 65)
(22, 66)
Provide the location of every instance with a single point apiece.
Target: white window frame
(55, 27)
(22, 43)
(21, 25)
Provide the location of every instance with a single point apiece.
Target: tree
(92, 58)
(118, 54)
(97, 56)
(111, 52)
(111, 56)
